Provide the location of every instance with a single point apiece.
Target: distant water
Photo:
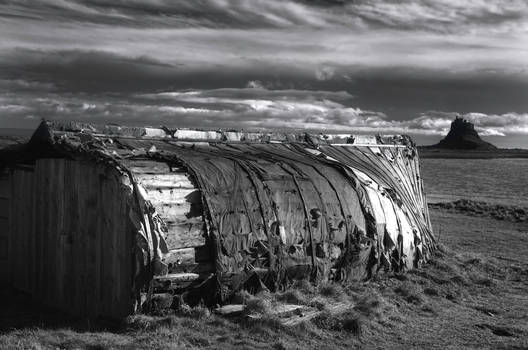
(498, 181)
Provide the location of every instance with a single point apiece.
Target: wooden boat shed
(98, 219)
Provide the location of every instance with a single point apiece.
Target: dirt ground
(472, 295)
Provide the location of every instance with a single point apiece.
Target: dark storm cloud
(89, 71)
(364, 65)
(397, 91)
(74, 70)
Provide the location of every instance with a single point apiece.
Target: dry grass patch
(349, 321)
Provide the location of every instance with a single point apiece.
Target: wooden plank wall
(80, 244)
(5, 194)
(178, 202)
(20, 229)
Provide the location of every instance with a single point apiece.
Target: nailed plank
(230, 310)
(92, 212)
(68, 221)
(178, 277)
(185, 235)
(47, 227)
(184, 256)
(174, 195)
(115, 279)
(5, 190)
(188, 256)
(174, 212)
(4, 207)
(58, 176)
(146, 166)
(171, 180)
(195, 220)
(175, 281)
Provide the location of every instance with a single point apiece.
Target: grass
(474, 291)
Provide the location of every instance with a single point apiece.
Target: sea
(496, 181)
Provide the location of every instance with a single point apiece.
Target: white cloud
(250, 108)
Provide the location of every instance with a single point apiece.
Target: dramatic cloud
(438, 15)
(365, 64)
(250, 108)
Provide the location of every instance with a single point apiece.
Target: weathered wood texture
(178, 202)
(4, 228)
(71, 239)
(21, 239)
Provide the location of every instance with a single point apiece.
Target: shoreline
(426, 152)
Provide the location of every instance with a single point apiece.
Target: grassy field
(473, 294)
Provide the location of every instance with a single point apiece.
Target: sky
(358, 66)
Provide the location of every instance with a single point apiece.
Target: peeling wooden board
(173, 212)
(5, 187)
(173, 195)
(188, 256)
(146, 166)
(185, 221)
(178, 277)
(199, 268)
(185, 235)
(4, 206)
(174, 280)
(230, 310)
(173, 180)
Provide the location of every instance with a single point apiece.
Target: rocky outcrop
(463, 136)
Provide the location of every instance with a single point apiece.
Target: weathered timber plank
(13, 262)
(230, 310)
(178, 277)
(128, 254)
(5, 189)
(59, 230)
(165, 180)
(113, 239)
(174, 195)
(121, 290)
(174, 281)
(172, 212)
(38, 231)
(46, 230)
(67, 241)
(184, 256)
(185, 235)
(107, 230)
(80, 247)
(184, 221)
(189, 256)
(4, 207)
(146, 166)
(92, 212)
(199, 268)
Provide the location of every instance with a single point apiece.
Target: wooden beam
(185, 235)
